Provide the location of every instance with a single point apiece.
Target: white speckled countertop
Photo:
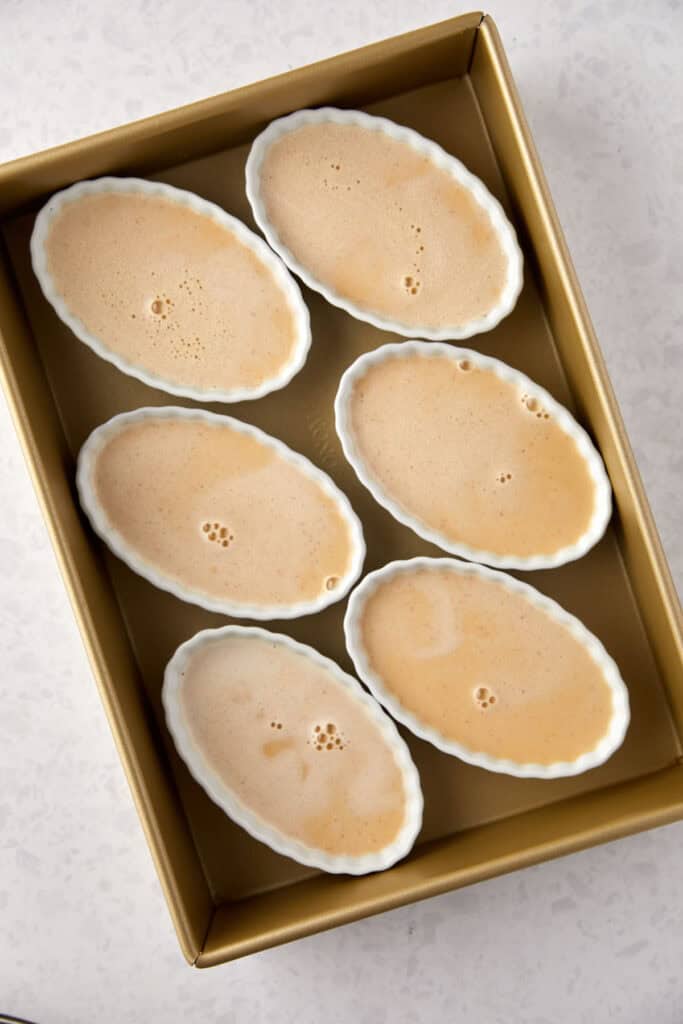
(84, 932)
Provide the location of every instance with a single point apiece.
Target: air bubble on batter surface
(412, 283)
(217, 533)
(534, 406)
(326, 736)
(484, 697)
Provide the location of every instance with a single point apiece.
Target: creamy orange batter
(170, 290)
(485, 667)
(470, 455)
(220, 512)
(382, 226)
(293, 745)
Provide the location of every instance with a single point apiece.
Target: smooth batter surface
(485, 667)
(170, 290)
(382, 225)
(470, 455)
(293, 745)
(220, 512)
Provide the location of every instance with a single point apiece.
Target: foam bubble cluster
(217, 533)
(327, 737)
(484, 697)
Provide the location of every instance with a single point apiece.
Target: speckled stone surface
(84, 933)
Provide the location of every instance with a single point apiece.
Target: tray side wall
(99, 620)
(581, 357)
(186, 133)
(444, 865)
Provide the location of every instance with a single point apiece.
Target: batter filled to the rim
(485, 667)
(293, 745)
(170, 290)
(382, 225)
(470, 455)
(220, 512)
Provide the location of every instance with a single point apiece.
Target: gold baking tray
(229, 895)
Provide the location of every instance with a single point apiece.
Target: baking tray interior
(86, 391)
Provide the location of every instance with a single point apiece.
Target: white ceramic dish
(281, 276)
(117, 543)
(442, 160)
(225, 797)
(603, 494)
(619, 721)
